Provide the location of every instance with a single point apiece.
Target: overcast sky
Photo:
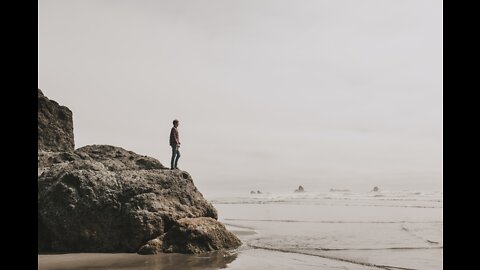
(270, 94)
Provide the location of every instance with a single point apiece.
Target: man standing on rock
(175, 144)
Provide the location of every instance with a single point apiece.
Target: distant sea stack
(300, 189)
(103, 198)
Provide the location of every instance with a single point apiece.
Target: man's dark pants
(175, 157)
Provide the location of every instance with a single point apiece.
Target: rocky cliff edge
(102, 198)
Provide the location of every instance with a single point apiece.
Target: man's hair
(175, 121)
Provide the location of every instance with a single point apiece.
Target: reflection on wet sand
(127, 261)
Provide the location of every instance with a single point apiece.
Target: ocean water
(336, 229)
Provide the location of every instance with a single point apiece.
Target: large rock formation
(102, 198)
(55, 125)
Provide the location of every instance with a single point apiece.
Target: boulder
(103, 198)
(199, 235)
(99, 204)
(192, 235)
(153, 246)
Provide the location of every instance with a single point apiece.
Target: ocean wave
(385, 199)
(353, 261)
(333, 221)
(413, 233)
(329, 204)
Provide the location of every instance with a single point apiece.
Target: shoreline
(317, 233)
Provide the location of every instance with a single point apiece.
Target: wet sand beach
(131, 261)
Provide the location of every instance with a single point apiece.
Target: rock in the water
(300, 189)
(259, 192)
(253, 192)
(375, 189)
(198, 235)
(55, 125)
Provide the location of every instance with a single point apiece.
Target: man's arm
(177, 139)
